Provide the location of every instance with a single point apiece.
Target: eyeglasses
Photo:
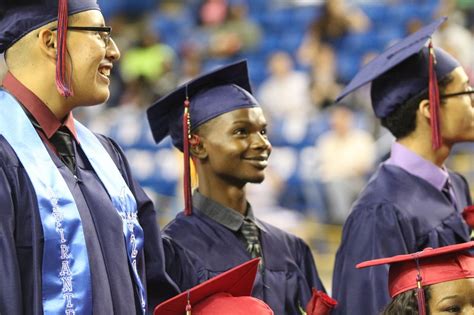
(470, 91)
(103, 31)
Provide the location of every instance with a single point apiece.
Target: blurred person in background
(412, 201)
(218, 230)
(284, 95)
(225, 30)
(324, 87)
(150, 62)
(77, 234)
(345, 156)
(336, 21)
(190, 66)
(237, 35)
(453, 36)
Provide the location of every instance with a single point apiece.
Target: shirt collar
(414, 164)
(37, 108)
(227, 217)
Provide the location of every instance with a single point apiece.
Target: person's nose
(112, 53)
(260, 141)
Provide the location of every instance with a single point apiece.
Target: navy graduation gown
(21, 238)
(397, 213)
(198, 248)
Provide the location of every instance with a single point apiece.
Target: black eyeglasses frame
(101, 29)
(457, 94)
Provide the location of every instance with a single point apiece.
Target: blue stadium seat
(111, 8)
(304, 15)
(276, 20)
(377, 13)
(348, 63)
(290, 41)
(140, 6)
(316, 127)
(173, 28)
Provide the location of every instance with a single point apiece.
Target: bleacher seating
(284, 28)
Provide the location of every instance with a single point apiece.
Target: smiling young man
(226, 138)
(76, 231)
(422, 95)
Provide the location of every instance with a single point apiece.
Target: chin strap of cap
(63, 80)
(434, 100)
(187, 167)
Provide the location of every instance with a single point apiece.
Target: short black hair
(402, 121)
(406, 303)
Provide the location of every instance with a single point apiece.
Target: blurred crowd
(301, 53)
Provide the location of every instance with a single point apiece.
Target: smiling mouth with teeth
(258, 158)
(105, 71)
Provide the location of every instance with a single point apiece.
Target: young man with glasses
(77, 234)
(422, 95)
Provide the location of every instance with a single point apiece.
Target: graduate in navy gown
(412, 201)
(227, 140)
(77, 234)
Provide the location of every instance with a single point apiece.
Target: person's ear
(197, 147)
(47, 41)
(424, 109)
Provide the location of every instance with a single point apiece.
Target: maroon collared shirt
(38, 110)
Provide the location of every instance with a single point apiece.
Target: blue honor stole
(66, 284)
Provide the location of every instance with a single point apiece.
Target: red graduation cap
(427, 267)
(227, 293)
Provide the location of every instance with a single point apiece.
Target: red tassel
(63, 82)
(434, 101)
(420, 297)
(188, 305)
(187, 167)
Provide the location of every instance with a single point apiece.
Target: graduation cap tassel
(420, 293)
(63, 83)
(420, 297)
(188, 305)
(434, 100)
(187, 166)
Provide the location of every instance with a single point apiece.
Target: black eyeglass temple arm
(456, 94)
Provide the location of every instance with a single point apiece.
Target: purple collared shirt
(414, 164)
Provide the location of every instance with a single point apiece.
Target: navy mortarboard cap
(404, 71)
(428, 267)
(210, 95)
(196, 102)
(227, 293)
(20, 17)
